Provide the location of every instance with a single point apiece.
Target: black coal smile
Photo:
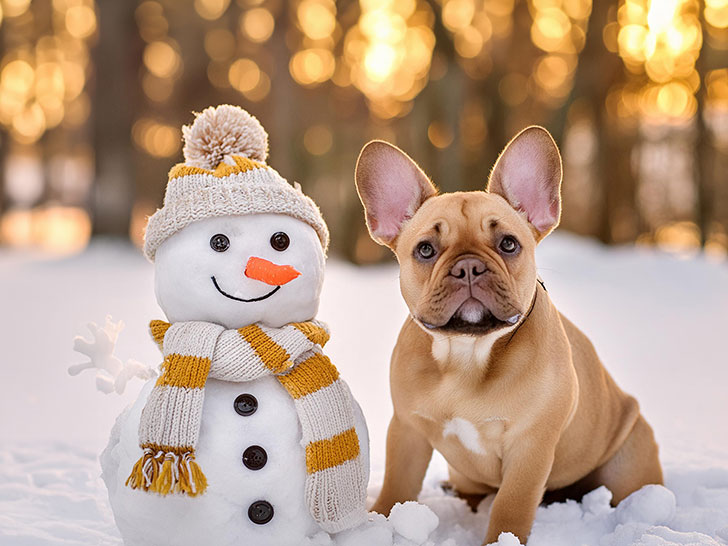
(268, 295)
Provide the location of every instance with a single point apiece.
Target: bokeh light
(389, 52)
(56, 229)
(440, 135)
(211, 9)
(449, 80)
(257, 24)
(155, 138)
(39, 84)
(312, 66)
(81, 21)
(318, 139)
(162, 59)
(661, 40)
(716, 13)
(317, 18)
(558, 29)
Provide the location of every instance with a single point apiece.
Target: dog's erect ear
(391, 187)
(528, 175)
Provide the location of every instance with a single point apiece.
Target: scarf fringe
(165, 471)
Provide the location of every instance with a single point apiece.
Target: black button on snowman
(246, 404)
(260, 512)
(254, 458)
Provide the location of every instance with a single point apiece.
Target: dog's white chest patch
(465, 432)
(465, 350)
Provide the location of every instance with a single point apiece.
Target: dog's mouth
(473, 318)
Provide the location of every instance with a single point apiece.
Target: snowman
(248, 435)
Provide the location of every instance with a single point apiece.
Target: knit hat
(225, 174)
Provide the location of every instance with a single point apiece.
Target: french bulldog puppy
(486, 370)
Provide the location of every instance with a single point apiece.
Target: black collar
(530, 309)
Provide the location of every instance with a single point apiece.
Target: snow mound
(635, 304)
(653, 504)
(646, 518)
(52, 495)
(413, 521)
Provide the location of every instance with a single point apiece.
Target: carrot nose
(270, 273)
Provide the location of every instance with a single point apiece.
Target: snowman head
(234, 243)
(239, 270)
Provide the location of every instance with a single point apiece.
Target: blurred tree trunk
(615, 178)
(496, 137)
(515, 54)
(590, 75)
(702, 166)
(116, 67)
(3, 139)
(703, 174)
(3, 154)
(284, 95)
(597, 72)
(720, 197)
(443, 102)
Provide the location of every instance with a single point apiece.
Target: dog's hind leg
(468, 490)
(575, 491)
(635, 464)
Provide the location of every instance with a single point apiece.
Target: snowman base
(250, 450)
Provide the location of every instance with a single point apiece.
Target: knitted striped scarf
(170, 421)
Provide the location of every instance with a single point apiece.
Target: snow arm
(112, 374)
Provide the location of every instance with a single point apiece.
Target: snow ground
(658, 321)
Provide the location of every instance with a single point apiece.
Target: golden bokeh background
(93, 95)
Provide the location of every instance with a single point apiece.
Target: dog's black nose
(468, 269)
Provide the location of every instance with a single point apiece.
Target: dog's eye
(280, 241)
(508, 245)
(425, 250)
(219, 242)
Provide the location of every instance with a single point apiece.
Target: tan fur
(523, 410)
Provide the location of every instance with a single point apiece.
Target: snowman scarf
(170, 421)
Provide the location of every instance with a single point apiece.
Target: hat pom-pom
(220, 132)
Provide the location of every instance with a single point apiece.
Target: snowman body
(238, 421)
(250, 440)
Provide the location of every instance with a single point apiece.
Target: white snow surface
(658, 321)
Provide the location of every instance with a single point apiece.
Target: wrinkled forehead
(452, 213)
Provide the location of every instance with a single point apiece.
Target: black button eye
(509, 245)
(219, 242)
(280, 241)
(425, 250)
